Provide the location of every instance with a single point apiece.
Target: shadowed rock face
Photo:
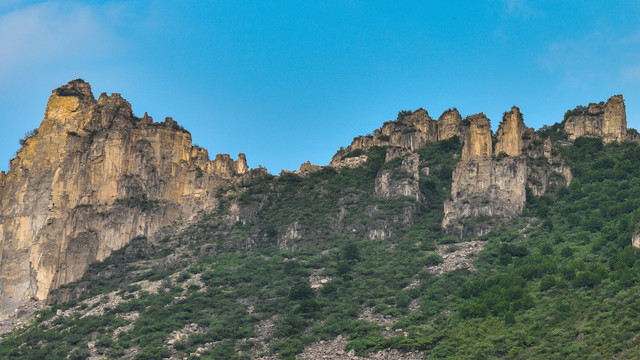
(92, 178)
(606, 120)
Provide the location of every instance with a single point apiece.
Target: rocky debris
(182, 335)
(334, 350)
(92, 178)
(414, 306)
(264, 330)
(413, 284)
(400, 182)
(316, 280)
(97, 305)
(384, 320)
(132, 316)
(606, 120)
(457, 256)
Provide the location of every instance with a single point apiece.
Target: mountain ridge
(450, 179)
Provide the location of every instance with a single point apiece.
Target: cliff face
(477, 143)
(92, 178)
(483, 186)
(411, 132)
(510, 133)
(488, 189)
(400, 182)
(606, 120)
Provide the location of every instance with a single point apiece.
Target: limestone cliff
(510, 133)
(411, 132)
(487, 190)
(403, 181)
(606, 120)
(477, 143)
(93, 177)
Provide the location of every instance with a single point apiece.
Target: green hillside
(558, 282)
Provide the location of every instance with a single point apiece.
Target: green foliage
(28, 135)
(403, 113)
(561, 281)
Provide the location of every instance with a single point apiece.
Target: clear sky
(291, 81)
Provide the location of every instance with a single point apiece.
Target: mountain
(438, 238)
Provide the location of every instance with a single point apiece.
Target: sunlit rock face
(606, 120)
(477, 143)
(489, 185)
(93, 177)
(412, 132)
(510, 133)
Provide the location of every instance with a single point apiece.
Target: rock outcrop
(411, 132)
(484, 191)
(450, 124)
(488, 189)
(400, 182)
(93, 177)
(510, 133)
(484, 187)
(606, 120)
(478, 143)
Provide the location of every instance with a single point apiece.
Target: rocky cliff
(477, 143)
(510, 133)
(90, 179)
(411, 131)
(606, 120)
(487, 189)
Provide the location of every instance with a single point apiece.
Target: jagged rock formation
(483, 186)
(510, 133)
(411, 132)
(486, 189)
(606, 120)
(403, 181)
(477, 143)
(93, 177)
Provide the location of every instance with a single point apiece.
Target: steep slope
(353, 260)
(489, 186)
(92, 177)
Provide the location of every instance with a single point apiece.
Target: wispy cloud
(599, 55)
(51, 32)
(519, 8)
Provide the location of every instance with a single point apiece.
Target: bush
(301, 290)
(27, 135)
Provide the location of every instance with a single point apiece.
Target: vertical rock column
(615, 120)
(486, 190)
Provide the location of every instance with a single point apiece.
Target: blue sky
(291, 81)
